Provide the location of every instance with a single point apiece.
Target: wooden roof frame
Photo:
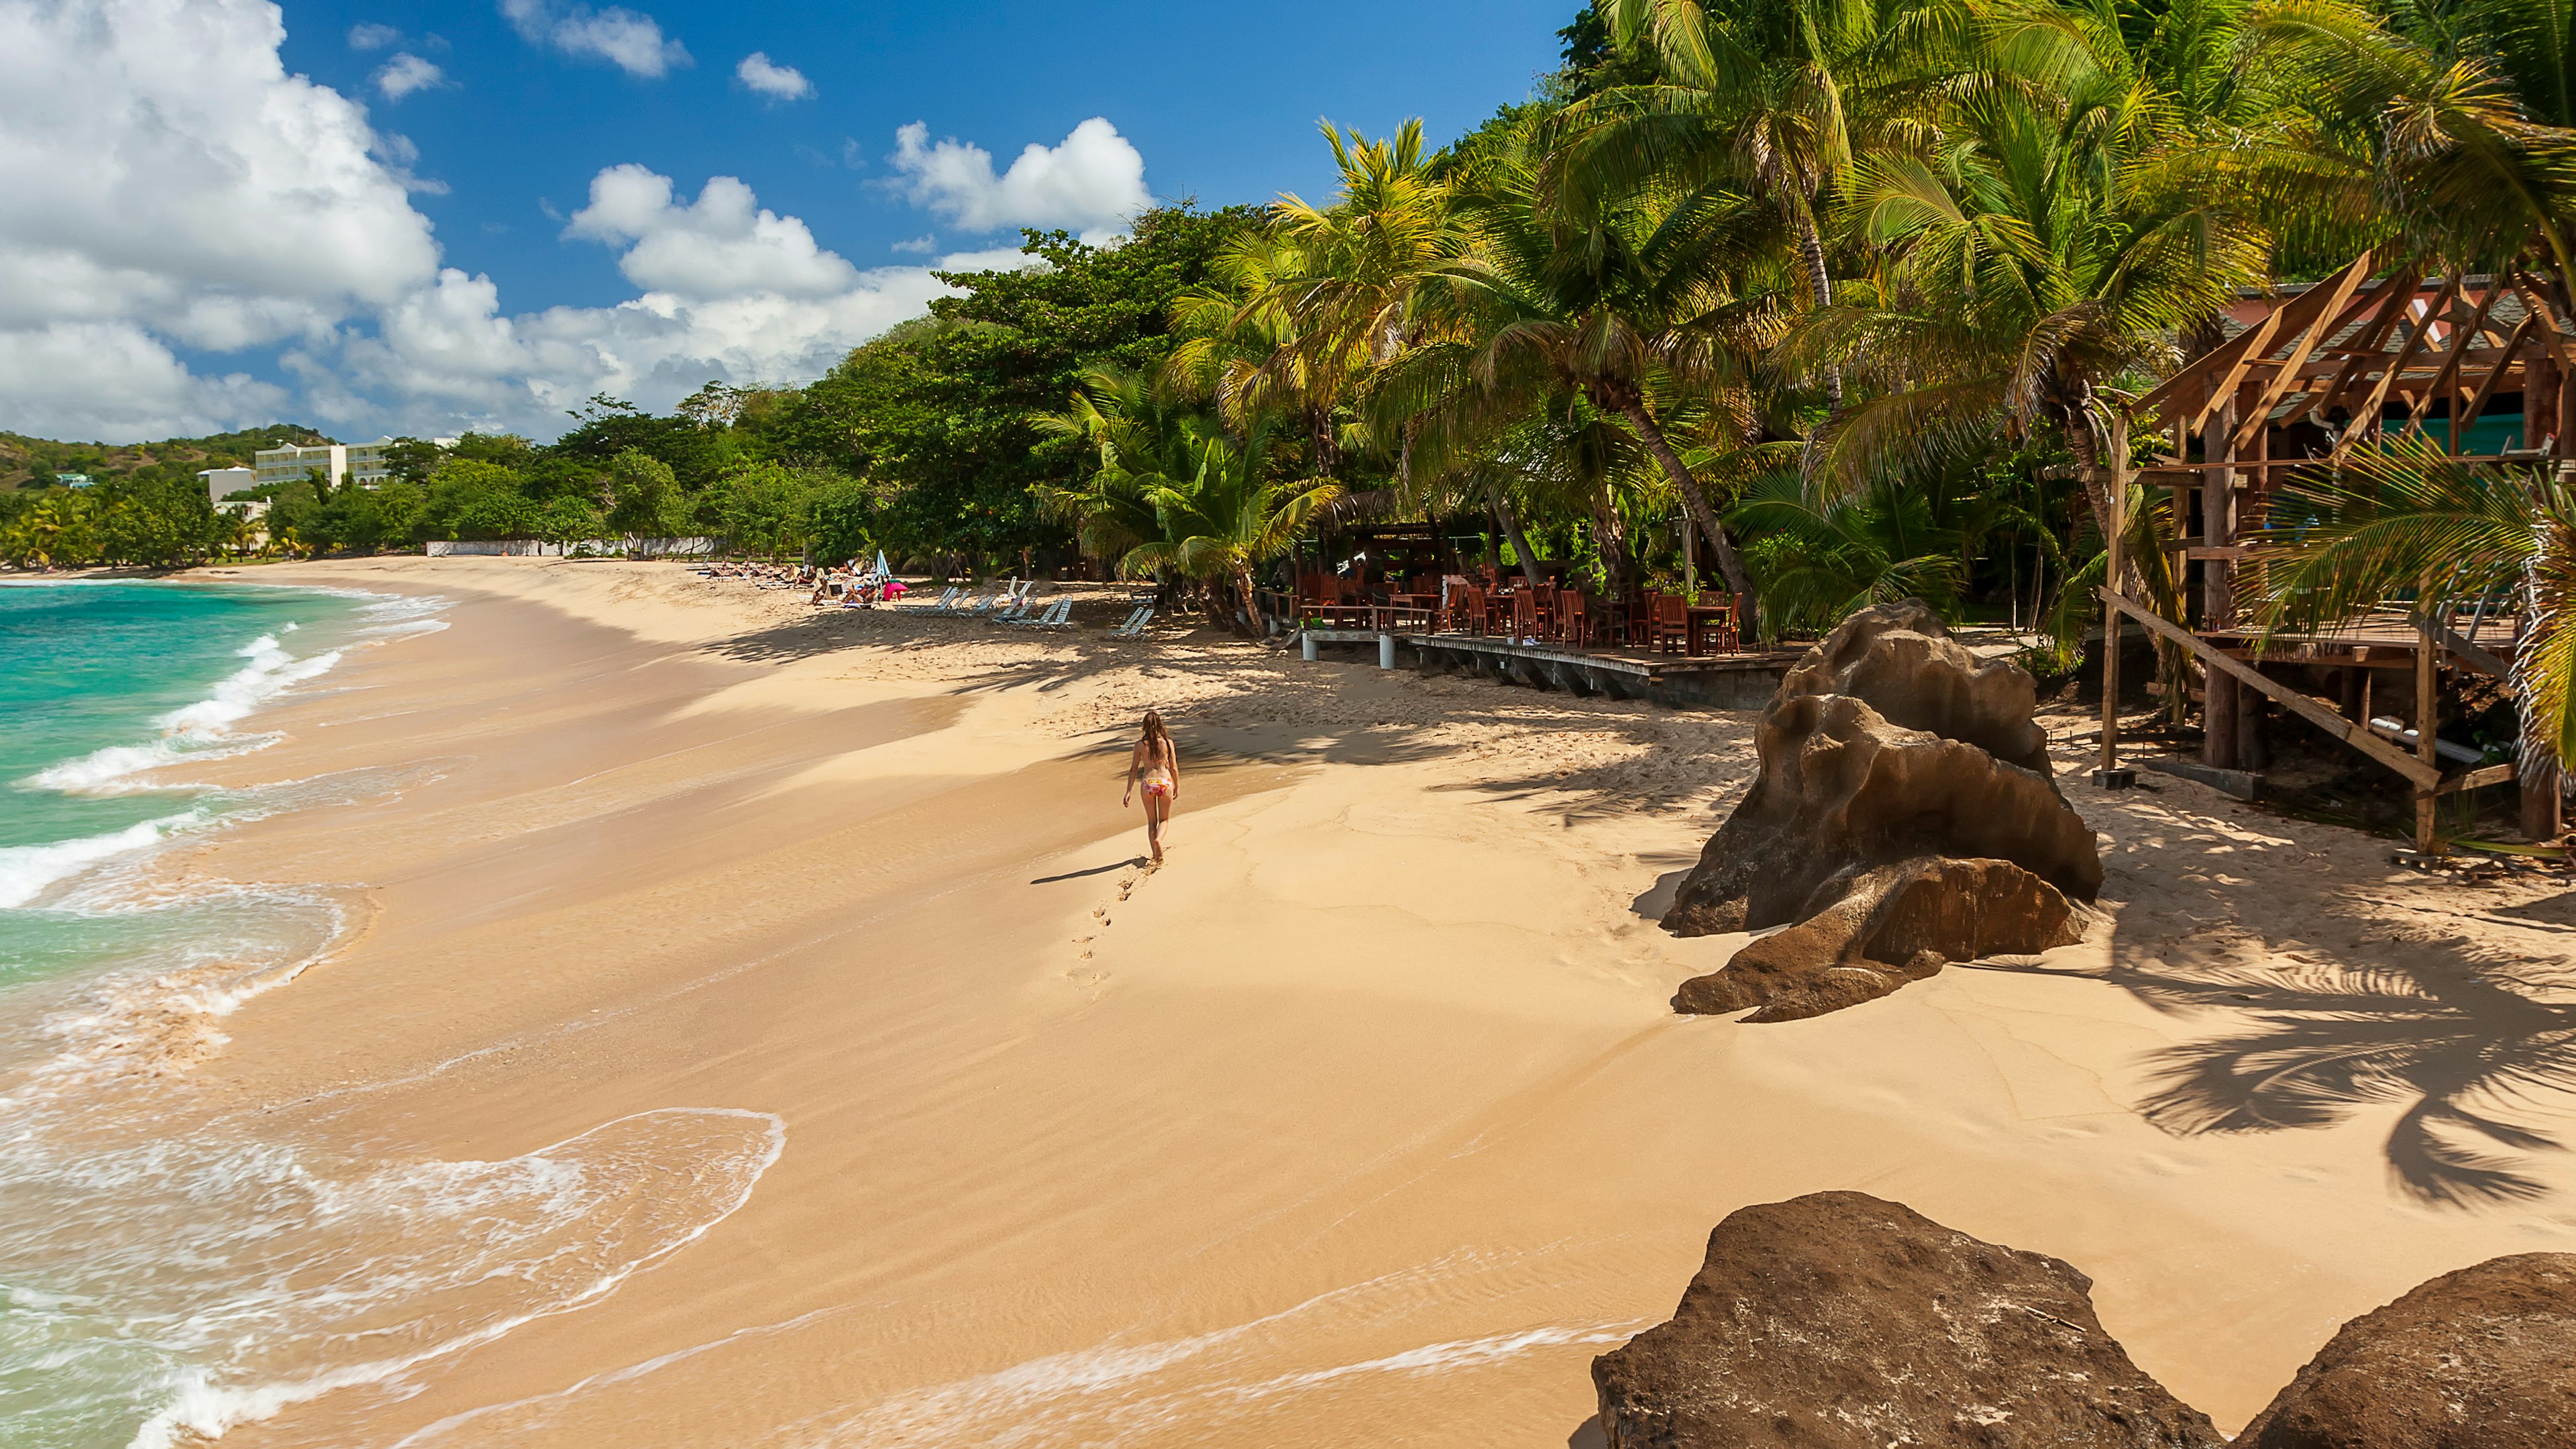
(2358, 344)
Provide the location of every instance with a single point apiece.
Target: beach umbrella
(882, 571)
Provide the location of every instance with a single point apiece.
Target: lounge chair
(1134, 628)
(1058, 615)
(940, 607)
(1139, 612)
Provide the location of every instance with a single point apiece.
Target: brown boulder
(1891, 925)
(1841, 1321)
(1887, 745)
(1901, 658)
(2477, 1359)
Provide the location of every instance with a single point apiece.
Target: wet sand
(1364, 1120)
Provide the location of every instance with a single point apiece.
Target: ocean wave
(199, 729)
(26, 870)
(192, 1286)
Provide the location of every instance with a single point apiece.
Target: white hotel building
(362, 463)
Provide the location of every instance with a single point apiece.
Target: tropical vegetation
(1837, 300)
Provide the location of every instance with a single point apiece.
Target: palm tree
(1229, 516)
(2452, 128)
(2023, 269)
(1631, 309)
(1172, 490)
(1301, 310)
(1749, 97)
(2407, 519)
(1137, 435)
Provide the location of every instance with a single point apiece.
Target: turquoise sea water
(101, 682)
(169, 1268)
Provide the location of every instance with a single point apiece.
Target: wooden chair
(1466, 613)
(1726, 636)
(1573, 624)
(1525, 622)
(1639, 619)
(1670, 631)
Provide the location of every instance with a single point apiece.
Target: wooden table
(1422, 607)
(1700, 617)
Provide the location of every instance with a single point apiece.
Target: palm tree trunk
(2088, 468)
(1820, 280)
(1737, 580)
(1610, 539)
(1327, 448)
(1512, 530)
(1251, 604)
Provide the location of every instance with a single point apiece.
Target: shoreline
(1365, 1113)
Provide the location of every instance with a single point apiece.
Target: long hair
(1158, 736)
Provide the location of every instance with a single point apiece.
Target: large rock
(1901, 658)
(2477, 1359)
(1840, 1321)
(1888, 746)
(1891, 925)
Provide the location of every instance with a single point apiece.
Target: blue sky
(1221, 100)
(416, 273)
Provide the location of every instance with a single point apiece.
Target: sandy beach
(813, 953)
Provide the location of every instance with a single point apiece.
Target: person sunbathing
(1157, 766)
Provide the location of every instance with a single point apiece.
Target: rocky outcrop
(1901, 658)
(1888, 926)
(2477, 1359)
(1841, 1321)
(1890, 755)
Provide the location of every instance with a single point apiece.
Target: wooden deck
(1703, 681)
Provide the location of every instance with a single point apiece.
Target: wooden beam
(2400, 289)
(2224, 360)
(2111, 571)
(2460, 645)
(2315, 712)
(2538, 302)
(2478, 402)
(2477, 779)
(2461, 337)
(2366, 417)
(2428, 722)
(2329, 317)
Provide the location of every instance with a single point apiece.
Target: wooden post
(2253, 745)
(2217, 592)
(2539, 784)
(2427, 682)
(2109, 775)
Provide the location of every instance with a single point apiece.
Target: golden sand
(1362, 1121)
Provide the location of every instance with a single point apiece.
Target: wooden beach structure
(1736, 679)
(2478, 365)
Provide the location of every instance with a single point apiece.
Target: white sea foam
(198, 729)
(26, 870)
(361, 1278)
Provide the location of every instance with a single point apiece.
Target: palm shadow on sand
(2456, 1037)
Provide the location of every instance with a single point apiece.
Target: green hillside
(33, 462)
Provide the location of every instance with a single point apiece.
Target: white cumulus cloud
(406, 73)
(368, 35)
(1092, 182)
(778, 82)
(194, 239)
(169, 183)
(723, 244)
(632, 42)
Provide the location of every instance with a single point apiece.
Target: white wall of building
(223, 483)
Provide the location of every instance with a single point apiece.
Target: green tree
(644, 496)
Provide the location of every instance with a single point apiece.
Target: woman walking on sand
(1158, 766)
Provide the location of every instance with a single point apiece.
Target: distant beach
(733, 1023)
